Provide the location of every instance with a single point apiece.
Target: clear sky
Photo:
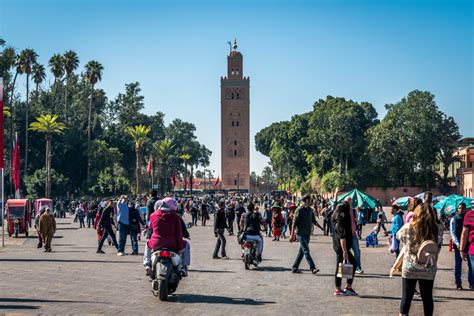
(295, 52)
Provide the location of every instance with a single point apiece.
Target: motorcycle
(249, 253)
(165, 273)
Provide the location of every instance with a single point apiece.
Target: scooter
(165, 273)
(249, 253)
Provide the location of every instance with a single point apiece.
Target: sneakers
(459, 287)
(225, 258)
(339, 292)
(314, 270)
(216, 257)
(295, 270)
(147, 270)
(350, 291)
(100, 251)
(120, 254)
(359, 271)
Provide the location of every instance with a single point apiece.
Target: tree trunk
(11, 131)
(346, 163)
(185, 177)
(138, 151)
(65, 98)
(27, 114)
(89, 136)
(47, 190)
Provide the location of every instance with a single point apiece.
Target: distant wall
(385, 195)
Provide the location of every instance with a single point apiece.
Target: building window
(238, 96)
(235, 142)
(235, 152)
(233, 71)
(236, 123)
(235, 182)
(236, 71)
(232, 123)
(232, 96)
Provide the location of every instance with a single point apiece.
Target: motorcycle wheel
(247, 262)
(163, 290)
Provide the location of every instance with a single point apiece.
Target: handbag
(345, 270)
(397, 265)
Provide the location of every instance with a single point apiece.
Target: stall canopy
(403, 202)
(360, 199)
(449, 205)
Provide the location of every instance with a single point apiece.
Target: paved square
(73, 279)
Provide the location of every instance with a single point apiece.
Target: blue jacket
(397, 223)
(123, 216)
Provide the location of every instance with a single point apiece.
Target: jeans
(457, 266)
(90, 221)
(123, 232)
(355, 247)
(134, 240)
(194, 218)
(230, 224)
(284, 228)
(303, 251)
(220, 242)
(259, 240)
(470, 266)
(269, 229)
(426, 292)
(108, 231)
(81, 222)
(340, 259)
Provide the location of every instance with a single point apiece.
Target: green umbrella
(360, 199)
(403, 202)
(449, 205)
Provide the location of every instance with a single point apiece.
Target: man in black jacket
(150, 208)
(135, 220)
(106, 221)
(219, 227)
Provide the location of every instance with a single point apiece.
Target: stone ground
(73, 279)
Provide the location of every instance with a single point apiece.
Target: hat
(276, 206)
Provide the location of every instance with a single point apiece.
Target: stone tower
(235, 125)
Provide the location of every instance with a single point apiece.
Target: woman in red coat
(277, 222)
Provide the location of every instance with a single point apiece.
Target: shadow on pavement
(209, 299)
(38, 300)
(272, 269)
(64, 260)
(210, 271)
(373, 276)
(18, 307)
(67, 228)
(436, 298)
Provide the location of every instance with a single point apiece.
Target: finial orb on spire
(235, 44)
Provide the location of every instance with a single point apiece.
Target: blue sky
(295, 52)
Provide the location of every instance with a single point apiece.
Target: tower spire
(235, 44)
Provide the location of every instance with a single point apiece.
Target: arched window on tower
(233, 71)
(236, 123)
(238, 96)
(236, 71)
(232, 96)
(235, 152)
(232, 123)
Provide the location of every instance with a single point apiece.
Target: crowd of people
(416, 236)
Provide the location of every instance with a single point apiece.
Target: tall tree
(39, 75)
(48, 125)
(185, 158)
(93, 75)
(139, 134)
(56, 68)
(70, 63)
(28, 59)
(163, 151)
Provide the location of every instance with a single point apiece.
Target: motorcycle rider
(250, 224)
(166, 232)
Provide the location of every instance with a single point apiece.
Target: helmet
(169, 204)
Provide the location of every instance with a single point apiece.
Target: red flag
(150, 166)
(16, 166)
(2, 126)
(217, 182)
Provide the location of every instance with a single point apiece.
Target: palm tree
(56, 68)
(93, 75)
(6, 111)
(139, 134)
(39, 75)
(70, 63)
(27, 59)
(48, 124)
(185, 158)
(163, 151)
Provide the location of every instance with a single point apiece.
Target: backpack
(428, 254)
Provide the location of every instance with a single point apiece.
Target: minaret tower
(235, 125)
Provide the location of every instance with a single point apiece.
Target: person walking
(342, 238)
(194, 213)
(204, 213)
(267, 217)
(422, 239)
(240, 210)
(80, 216)
(135, 220)
(37, 218)
(47, 228)
(123, 223)
(397, 223)
(230, 215)
(277, 222)
(105, 225)
(303, 222)
(360, 223)
(456, 226)
(220, 226)
(467, 246)
(355, 241)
